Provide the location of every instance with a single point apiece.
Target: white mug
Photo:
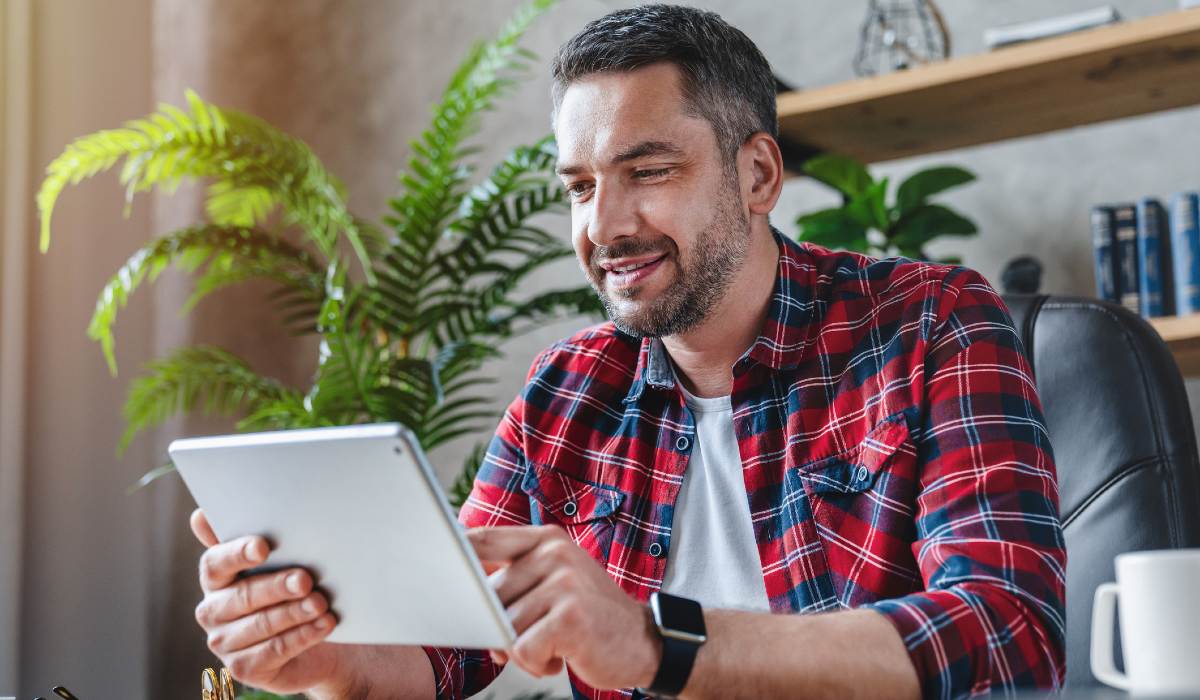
(1159, 594)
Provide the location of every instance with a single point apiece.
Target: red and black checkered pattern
(894, 455)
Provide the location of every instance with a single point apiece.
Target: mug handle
(1103, 667)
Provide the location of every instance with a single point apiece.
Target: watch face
(679, 617)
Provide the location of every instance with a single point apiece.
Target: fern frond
(436, 174)
(258, 165)
(197, 378)
(460, 490)
(351, 364)
(547, 307)
(252, 253)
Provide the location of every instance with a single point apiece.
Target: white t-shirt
(713, 557)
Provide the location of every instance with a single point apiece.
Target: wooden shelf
(1093, 76)
(1182, 334)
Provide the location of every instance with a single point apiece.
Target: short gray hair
(726, 79)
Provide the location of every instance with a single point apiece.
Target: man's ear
(760, 166)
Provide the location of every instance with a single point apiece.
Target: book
(996, 37)
(1104, 245)
(1156, 296)
(1126, 253)
(1185, 245)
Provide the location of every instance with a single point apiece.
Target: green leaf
(248, 252)
(196, 378)
(920, 187)
(833, 228)
(255, 166)
(844, 174)
(461, 488)
(869, 208)
(927, 222)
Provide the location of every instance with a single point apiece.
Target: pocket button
(570, 509)
(863, 474)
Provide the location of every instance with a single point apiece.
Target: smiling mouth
(632, 273)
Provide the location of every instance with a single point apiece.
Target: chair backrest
(1123, 440)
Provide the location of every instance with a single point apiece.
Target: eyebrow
(642, 150)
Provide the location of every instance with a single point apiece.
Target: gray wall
(355, 79)
(1032, 196)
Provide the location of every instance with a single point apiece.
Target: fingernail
(323, 623)
(253, 550)
(309, 606)
(293, 583)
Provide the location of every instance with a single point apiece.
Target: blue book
(1185, 244)
(1156, 296)
(1126, 253)
(1104, 245)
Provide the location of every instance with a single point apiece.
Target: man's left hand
(564, 606)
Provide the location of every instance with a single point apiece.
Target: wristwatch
(680, 622)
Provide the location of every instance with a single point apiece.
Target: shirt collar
(784, 336)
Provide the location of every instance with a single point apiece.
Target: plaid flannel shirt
(894, 454)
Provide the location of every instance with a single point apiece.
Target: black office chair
(1124, 443)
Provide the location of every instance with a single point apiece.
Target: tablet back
(360, 508)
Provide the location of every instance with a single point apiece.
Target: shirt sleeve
(989, 541)
(496, 498)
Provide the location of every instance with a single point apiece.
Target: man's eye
(578, 190)
(650, 174)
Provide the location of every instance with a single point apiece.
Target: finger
(532, 607)
(273, 621)
(260, 663)
(221, 563)
(534, 650)
(499, 657)
(201, 529)
(529, 570)
(253, 595)
(509, 542)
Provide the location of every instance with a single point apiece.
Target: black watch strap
(678, 657)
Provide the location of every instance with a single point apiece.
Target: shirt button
(863, 474)
(570, 508)
(655, 549)
(682, 442)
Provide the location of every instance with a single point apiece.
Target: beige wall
(84, 583)
(108, 578)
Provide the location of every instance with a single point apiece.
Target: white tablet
(360, 508)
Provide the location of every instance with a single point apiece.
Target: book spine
(1185, 242)
(1104, 246)
(1155, 297)
(1126, 253)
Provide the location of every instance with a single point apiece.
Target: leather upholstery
(1123, 440)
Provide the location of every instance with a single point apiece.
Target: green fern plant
(403, 336)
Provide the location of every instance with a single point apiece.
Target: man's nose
(613, 216)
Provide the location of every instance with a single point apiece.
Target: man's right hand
(266, 629)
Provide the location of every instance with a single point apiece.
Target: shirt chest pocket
(863, 505)
(585, 510)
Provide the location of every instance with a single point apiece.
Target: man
(763, 428)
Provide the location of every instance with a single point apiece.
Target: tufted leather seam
(1172, 521)
(1110, 482)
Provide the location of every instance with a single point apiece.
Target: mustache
(601, 254)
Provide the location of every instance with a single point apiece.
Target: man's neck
(704, 355)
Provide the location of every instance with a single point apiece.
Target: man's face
(657, 217)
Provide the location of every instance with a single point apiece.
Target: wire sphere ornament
(898, 34)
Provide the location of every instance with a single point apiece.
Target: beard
(700, 280)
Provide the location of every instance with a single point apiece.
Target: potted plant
(866, 223)
(406, 311)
